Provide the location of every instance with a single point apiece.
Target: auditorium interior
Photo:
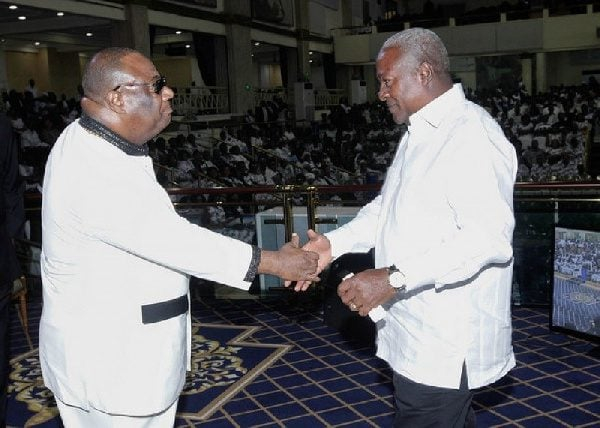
(277, 128)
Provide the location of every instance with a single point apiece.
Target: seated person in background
(30, 137)
(540, 170)
(532, 153)
(565, 168)
(236, 156)
(523, 172)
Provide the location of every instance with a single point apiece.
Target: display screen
(576, 282)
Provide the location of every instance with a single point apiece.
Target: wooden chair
(19, 296)
(28, 255)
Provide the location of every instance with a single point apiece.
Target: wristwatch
(396, 278)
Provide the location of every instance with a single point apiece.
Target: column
(540, 72)
(3, 72)
(527, 73)
(347, 14)
(134, 32)
(239, 56)
(302, 29)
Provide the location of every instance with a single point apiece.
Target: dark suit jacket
(12, 213)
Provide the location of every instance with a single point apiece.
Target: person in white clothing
(115, 328)
(442, 231)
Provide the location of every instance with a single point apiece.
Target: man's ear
(115, 101)
(425, 73)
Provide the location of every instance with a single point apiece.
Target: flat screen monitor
(575, 302)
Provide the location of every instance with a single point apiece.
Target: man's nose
(382, 94)
(167, 93)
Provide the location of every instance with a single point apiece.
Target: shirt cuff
(254, 262)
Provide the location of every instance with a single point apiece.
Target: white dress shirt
(113, 242)
(445, 219)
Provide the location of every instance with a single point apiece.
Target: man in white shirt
(442, 232)
(115, 337)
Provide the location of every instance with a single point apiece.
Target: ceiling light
(310, 52)
(188, 46)
(60, 14)
(13, 7)
(178, 32)
(22, 18)
(256, 43)
(89, 34)
(310, 60)
(37, 43)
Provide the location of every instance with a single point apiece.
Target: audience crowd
(351, 144)
(578, 257)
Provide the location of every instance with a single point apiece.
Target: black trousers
(420, 406)
(4, 368)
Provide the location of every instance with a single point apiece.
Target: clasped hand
(319, 245)
(296, 264)
(366, 290)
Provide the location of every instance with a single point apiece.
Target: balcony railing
(538, 207)
(325, 98)
(268, 94)
(189, 102)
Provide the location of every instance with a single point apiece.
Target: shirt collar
(435, 111)
(96, 128)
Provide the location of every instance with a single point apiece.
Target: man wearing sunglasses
(115, 328)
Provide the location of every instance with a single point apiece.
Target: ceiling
(84, 25)
(44, 27)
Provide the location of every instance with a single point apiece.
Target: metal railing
(269, 94)
(325, 98)
(538, 208)
(201, 100)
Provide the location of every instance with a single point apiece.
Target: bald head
(104, 71)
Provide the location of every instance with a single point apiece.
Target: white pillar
(540, 72)
(526, 73)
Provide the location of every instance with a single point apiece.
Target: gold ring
(353, 307)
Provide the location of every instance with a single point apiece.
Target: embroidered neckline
(96, 128)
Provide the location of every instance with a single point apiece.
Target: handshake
(293, 263)
(364, 292)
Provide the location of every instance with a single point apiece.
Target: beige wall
(65, 72)
(60, 72)
(556, 37)
(51, 70)
(532, 35)
(22, 66)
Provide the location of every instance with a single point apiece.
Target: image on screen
(576, 282)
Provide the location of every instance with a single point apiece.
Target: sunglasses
(157, 85)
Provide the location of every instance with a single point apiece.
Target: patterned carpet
(328, 379)
(223, 362)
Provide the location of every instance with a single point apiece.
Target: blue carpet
(224, 361)
(326, 379)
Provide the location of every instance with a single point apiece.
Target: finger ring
(353, 307)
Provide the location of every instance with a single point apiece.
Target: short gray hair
(421, 45)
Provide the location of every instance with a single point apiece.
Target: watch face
(396, 279)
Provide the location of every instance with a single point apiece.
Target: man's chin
(399, 119)
(397, 115)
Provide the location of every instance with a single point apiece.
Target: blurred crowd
(349, 144)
